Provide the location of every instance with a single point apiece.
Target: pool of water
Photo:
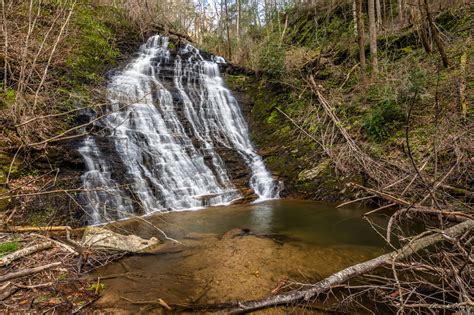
(312, 222)
(314, 239)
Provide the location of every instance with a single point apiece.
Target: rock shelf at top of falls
(173, 138)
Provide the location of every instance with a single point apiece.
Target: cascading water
(157, 148)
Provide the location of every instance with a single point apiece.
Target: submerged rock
(102, 238)
(235, 233)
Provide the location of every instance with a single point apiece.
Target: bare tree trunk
(5, 49)
(239, 16)
(361, 38)
(284, 29)
(373, 37)
(354, 16)
(257, 13)
(401, 7)
(229, 49)
(379, 14)
(462, 83)
(435, 34)
(422, 30)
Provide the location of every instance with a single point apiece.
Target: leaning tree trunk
(435, 34)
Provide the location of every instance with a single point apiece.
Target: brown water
(293, 241)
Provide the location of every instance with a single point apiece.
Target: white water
(169, 114)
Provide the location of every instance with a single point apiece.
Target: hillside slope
(306, 148)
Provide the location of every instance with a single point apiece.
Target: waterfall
(158, 145)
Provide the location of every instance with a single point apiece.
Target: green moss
(94, 48)
(238, 82)
(5, 161)
(41, 218)
(271, 59)
(458, 22)
(8, 247)
(276, 162)
(384, 115)
(273, 118)
(7, 96)
(97, 287)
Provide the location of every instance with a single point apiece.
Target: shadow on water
(214, 265)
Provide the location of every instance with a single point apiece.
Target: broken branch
(27, 272)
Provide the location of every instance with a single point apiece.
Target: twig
(77, 310)
(11, 164)
(159, 302)
(355, 200)
(58, 39)
(61, 244)
(409, 152)
(34, 286)
(379, 209)
(7, 290)
(348, 75)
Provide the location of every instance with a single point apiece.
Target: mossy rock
(310, 174)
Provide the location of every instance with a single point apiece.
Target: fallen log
(7, 259)
(28, 229)
(458, 190)
(303, 296)
(27, 272)
(60, 244)
(56, 230)
(166, 30)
